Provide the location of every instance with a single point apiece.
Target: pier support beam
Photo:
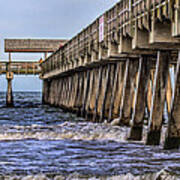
(117, 91)
(158, 98)
(173, 137)
(107, 92)
(128, 92)
(9, 95)
(91, 99)
(140, 100)
(98, 92)
(111, 108)
(80, 93)
(45, 93)
(76, 93)
(86, 91)
(100, 95)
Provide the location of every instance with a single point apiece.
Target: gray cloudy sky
(44, 19)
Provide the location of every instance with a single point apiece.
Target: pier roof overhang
(33, 45)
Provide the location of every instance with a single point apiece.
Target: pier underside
(125, 92)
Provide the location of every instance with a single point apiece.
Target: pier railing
(26, 68)
(118, 31)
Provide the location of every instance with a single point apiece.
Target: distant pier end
(25, 46)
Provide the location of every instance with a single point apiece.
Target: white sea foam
(67, 130)
(161, 175)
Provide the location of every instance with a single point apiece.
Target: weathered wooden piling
(73, 92)
(158, 98)
(85, 93)
(45, 91)
(79, 93)
(108, 93)
(173, 136)
(106, 96)
(9, 77)
(140, 99)
(128, 92)
(97, 94)
(111, 107)
(9, 93)
(76, 91)
(117, 92)
(90, 104)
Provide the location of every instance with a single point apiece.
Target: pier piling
(9, 93)
(158, 98)
(173, 137)
(140, 99)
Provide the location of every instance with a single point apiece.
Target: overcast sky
(44, 19)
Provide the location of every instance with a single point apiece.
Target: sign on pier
(101, 28)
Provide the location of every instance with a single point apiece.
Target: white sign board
(101, 28)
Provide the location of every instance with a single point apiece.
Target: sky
(43, 19)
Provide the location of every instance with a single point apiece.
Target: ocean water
(43, 142)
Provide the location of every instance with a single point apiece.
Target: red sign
(101, 28)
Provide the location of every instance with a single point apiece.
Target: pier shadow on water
(42, 142)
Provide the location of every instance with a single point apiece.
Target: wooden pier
(118, 69)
